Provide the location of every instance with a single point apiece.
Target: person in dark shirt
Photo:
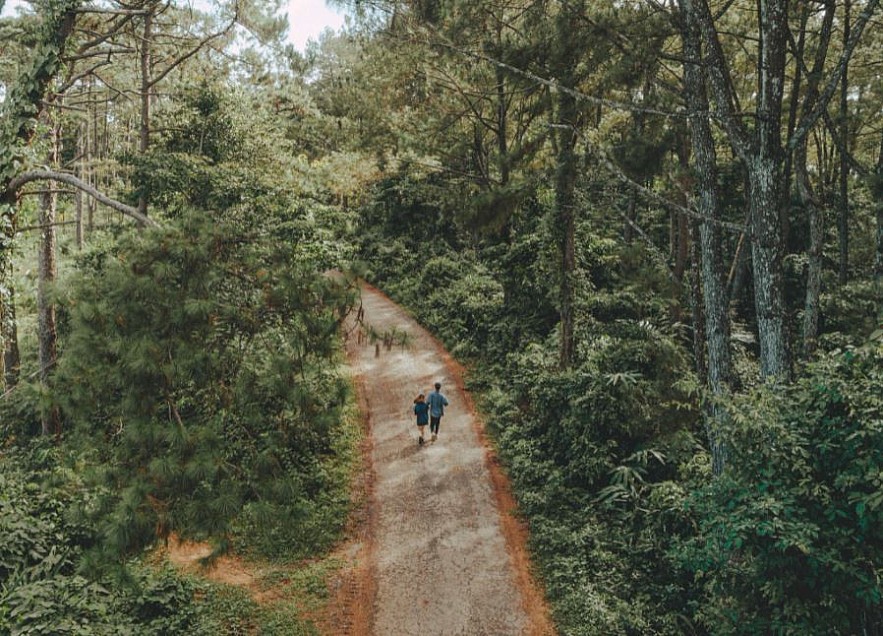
(421, 410)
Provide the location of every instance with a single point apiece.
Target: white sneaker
(434, 437)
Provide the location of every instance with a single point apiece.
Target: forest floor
(444, 552)
(435, 547)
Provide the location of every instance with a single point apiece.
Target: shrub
(200, 363)
(790, 538)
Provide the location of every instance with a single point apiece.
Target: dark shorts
(423, 423)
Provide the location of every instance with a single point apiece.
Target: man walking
(437, 403)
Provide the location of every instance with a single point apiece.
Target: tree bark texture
(843, 200)
(761, 151)
(696, 306)
(812, 206)
(567, 125)
(11, 356)
(878, 205)
(48, 271)
(146, 88)
(565, 180)
(765, 174)
(714, 286)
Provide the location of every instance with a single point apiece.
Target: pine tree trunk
(82, 152)
(878, 204)
(567, 125)
(696, 306)
(843, 201)
(146, 73)
(48, 333)
(765, 175)
(766, 258)
(566, 227)
(502, 128)
(714, 294)
(814, 255)
(11, 357)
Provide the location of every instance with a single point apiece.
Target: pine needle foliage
(200, 363)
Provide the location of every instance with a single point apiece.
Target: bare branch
(580, 96)
(96, 10)
(83, 55)
(76, 78)
(809, 119)
(183, 58)
(104, 36)
(661, 200)
(63, 177)
(657, 253)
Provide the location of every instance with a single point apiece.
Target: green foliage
(41, 589)
(849, 314)
(200, 363)
(790, 538)
(596, 452)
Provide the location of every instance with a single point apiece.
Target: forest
(650, 230)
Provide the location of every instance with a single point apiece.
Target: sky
(306, 19)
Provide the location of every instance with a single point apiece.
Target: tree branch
(62, 177)
(183, 58)
(579, 96)
(127, 12)
(661, 200)
(809, 119)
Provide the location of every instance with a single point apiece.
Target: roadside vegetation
(653, 232)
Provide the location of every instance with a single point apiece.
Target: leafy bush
(41, 589)
(790, 538)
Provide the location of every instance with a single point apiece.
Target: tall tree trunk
(761, 150)
(714, 290)
(766, 257)
(713, 281)
(146, 88)
(696, 306)
(765, 175)
(48, 333)
(843, 200)
(813, 207)
(11, 357)
(565, 181)
(814, 255)
(567, 126)
(877, 186)
(82, 153)
(793, 110)
(502, 127)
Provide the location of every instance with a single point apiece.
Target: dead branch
(63, 177)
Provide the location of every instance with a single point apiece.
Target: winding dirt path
(446, 555)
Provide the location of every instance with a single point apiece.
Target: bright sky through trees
(307, 19)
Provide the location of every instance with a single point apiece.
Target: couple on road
(430, 410)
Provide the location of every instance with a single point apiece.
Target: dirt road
(446, 560)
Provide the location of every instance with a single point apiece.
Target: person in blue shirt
(437, 404)
(421, 410)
